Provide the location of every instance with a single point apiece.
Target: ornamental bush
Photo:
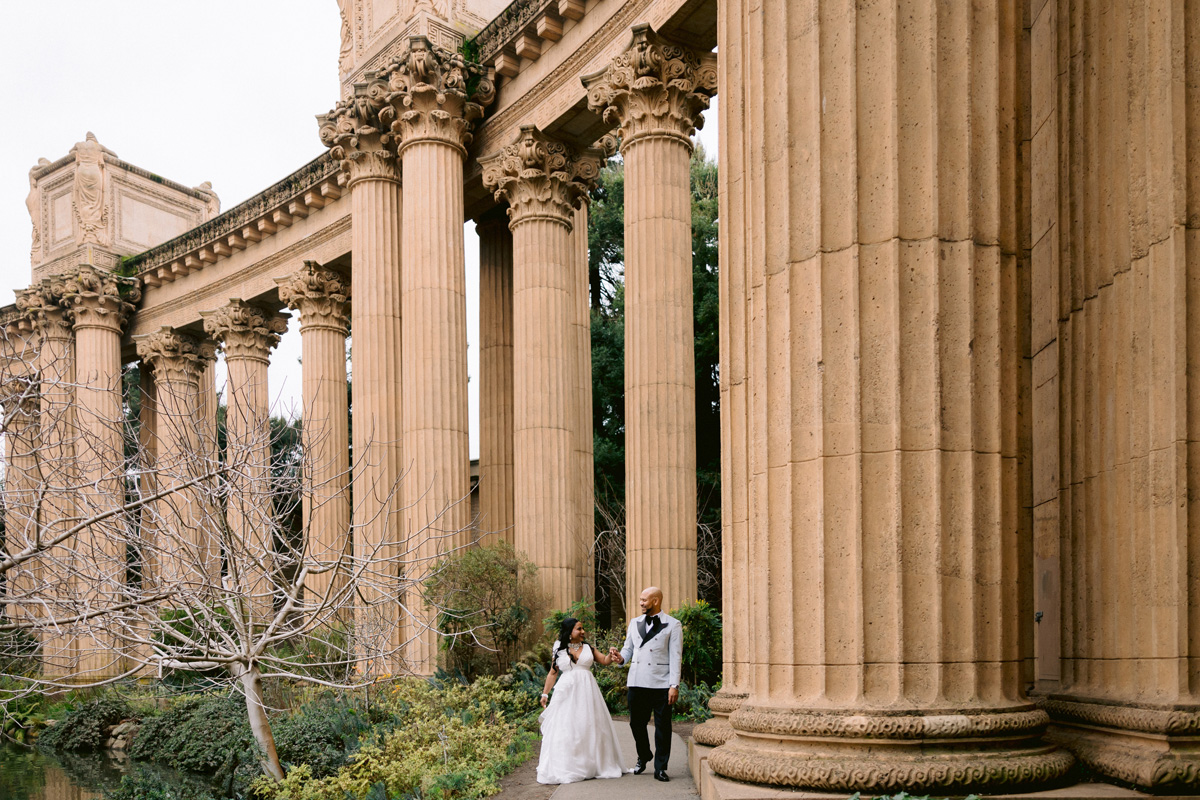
(701, 642)
(450, 741)
(85, 728)
(207, 734)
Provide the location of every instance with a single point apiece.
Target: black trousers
(642, 703)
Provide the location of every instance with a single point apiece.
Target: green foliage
(450, 741)
(323, 735)
(151, 786)
(206, 734)
(581, 610)
(20, 653)
(693, 702)
(86, 728)
(701, 642)
(485, 598)
(323, 655)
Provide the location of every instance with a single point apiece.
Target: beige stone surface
(582, 464)
(496, 480)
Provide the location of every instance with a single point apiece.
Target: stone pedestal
(880, 311)
(322, 296)
(247, 334)
(496, 379)
(542, 180)
(435, 113)
(655, 91)
(184, 535)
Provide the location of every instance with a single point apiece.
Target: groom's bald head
(651, 600)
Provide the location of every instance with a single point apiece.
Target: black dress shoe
(639, 768)
(661, 775)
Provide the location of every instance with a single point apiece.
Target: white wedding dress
(579, 740)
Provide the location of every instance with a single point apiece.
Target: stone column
(877, 280)
(496, 378)
(58, 480)
(22, 406)
(655, 91)
(584, 496)
(100, 304)
(322, 296)
(542, 180)
(247, 333)
(434, 116)
(185, 544)
(352, 130)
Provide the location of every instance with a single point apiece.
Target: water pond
(29, 774)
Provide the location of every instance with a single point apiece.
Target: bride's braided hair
(564, 643)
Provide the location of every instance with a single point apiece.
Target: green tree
(606, 254)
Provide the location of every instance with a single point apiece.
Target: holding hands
(614, 656)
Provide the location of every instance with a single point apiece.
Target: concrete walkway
(635, 787)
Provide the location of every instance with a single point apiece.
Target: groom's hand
(672, 695)
(615, 654)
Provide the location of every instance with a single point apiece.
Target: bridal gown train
(579, 740)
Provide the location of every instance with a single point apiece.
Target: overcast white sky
(222, 91)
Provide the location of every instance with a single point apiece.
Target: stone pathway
(636, 787)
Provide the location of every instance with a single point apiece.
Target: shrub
(701, 642)
(693, 702)
(450, 741)
(485, 598)
(203, 734)
(85, 728)
(322, 735)
(148, 786)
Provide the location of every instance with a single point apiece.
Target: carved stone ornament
(20, 400)
(42, 305)
(244, 330)
(540, 177)
(346, 51)
(425, 93)
(321, 295)
(717, 731)
(90, 192)
(654, 88)
(100, 299)
(844, 752)
(1148, 746)
(33, 202)
(177, 357)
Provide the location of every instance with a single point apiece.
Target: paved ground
(635, 787)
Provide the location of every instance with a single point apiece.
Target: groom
(654, 644)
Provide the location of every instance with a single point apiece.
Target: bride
(579, 740)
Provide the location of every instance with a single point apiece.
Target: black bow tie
(653, 620)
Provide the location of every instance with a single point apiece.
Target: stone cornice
(177, 357)
(307, 189)
(540, 177)
(655, 88)
(244, 330)
(321, 295)
(99, 299)
(514, 19)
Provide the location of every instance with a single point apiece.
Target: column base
(883, 753)
(717, 731)
(1156, 747)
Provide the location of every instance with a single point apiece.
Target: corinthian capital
(655, 87)
(100, 299)
(244, 330)
(177, 357)
(437, 94)
(540, 177)
(358, 132)
(322, 296)
(42, 307)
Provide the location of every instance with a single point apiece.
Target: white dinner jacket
(656, 663)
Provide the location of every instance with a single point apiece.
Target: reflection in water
(33, 775)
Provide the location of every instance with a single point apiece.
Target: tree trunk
(259, 725)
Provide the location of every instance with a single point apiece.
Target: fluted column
(583, 475)
(186, 545)
(878, 285)
(542, 180)
(496, 378)
(58, 479)
(432, 129)
(352, 130)
(322, 296)
(100, 303)
(21, 409)
(655, 91)
(247, 334)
